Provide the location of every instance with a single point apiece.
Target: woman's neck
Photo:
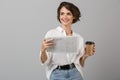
(68, 30)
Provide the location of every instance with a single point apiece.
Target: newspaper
(64, 45)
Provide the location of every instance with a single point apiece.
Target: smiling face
(66, 17)
(65, 7)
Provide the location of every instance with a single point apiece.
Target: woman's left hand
(89, 49)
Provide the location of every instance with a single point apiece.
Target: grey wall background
(23, 24)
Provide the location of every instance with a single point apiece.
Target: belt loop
(71, 66)
(58, 67)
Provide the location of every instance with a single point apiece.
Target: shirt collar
(60, 29)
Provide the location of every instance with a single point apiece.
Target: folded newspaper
(64, 45)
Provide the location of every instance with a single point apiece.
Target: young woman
(62, 66)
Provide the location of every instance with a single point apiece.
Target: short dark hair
(72, 8)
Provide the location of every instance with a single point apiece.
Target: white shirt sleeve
(81, 52)
(49, 54)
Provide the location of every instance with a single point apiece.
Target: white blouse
(62, 59)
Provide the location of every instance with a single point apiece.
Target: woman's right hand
(47, 43)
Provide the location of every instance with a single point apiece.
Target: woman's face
(66, 17)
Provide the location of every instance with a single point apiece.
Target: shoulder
(78, 35)
(50, 33)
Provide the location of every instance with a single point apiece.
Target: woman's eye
(69, 14)
(61, 13)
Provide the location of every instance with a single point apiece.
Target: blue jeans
(71, 74)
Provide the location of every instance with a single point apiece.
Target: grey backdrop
(23, 24)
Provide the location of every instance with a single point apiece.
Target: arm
(43, 56)
(45, 44)
(82, 60)
(89, 51)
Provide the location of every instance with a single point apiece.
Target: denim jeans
(71, 74)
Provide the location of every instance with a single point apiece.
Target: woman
(63, 67)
